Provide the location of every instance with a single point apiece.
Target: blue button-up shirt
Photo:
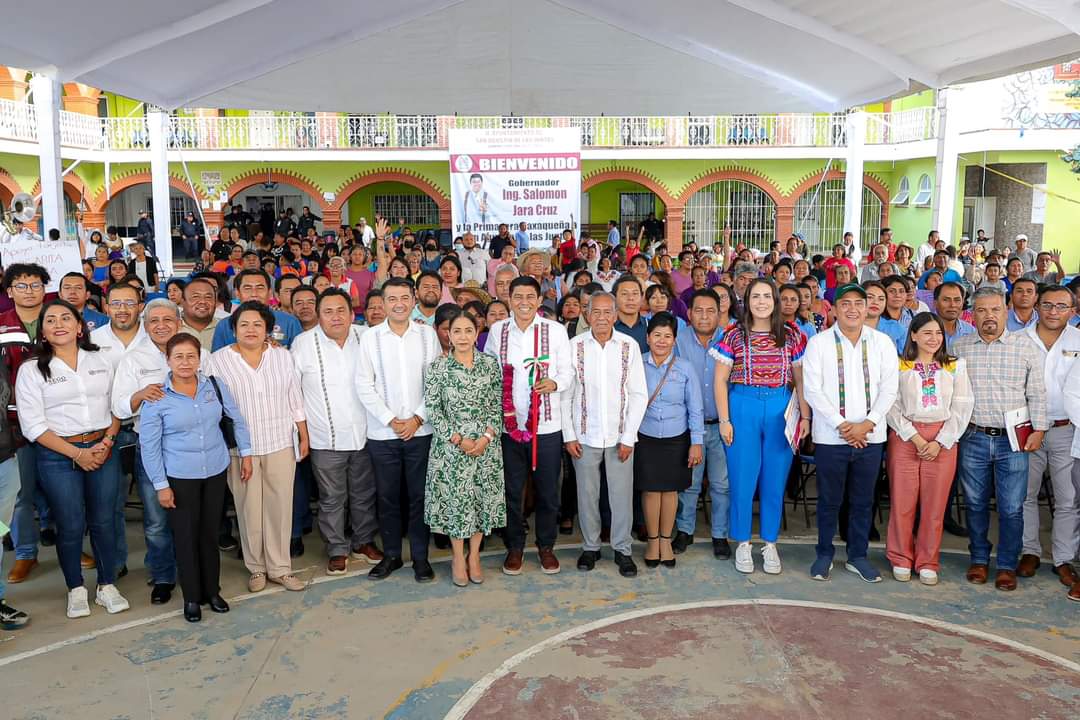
(1015, 324)
(678, 405)
(896, 331)
(521, 237)
(613, 238)
(638, 332)
(962, 328)
(181, 437)
(286, 324)
(807, 327)
(94, 319)
(689, 348)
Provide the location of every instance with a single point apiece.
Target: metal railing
(333, 131)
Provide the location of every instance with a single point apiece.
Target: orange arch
(634, 176)
(74, 188)
(758, 181)
(421, 184)
(257, 177)
(140, 178)
(869, 181)
(8, 188)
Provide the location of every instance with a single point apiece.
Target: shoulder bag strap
(660, 385)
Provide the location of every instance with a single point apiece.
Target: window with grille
(179, 206)
(418, 210)
(819, 216)
(633, 209)
(746, 208)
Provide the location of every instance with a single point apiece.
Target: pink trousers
(917, 485)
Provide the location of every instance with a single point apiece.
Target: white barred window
(416, 209)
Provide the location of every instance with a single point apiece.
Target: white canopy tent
(534, 57)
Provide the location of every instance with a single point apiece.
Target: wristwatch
(489, 435)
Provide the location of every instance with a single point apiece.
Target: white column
(158, 127)
(943, 204)
(853, 177)
(47, 93)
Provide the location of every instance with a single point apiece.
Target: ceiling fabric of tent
(535, 57)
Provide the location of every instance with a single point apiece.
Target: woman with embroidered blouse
(758, 371)
(932, 410)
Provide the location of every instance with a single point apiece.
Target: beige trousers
(264, 511)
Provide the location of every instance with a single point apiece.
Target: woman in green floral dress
(465, 496)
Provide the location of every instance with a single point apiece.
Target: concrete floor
(351, 648)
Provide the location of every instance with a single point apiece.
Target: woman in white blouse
(63, 402)
(263, 381)
(931, 412)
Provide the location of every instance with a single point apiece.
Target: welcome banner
(530, 175)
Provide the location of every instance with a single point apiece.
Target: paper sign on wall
(58, 257)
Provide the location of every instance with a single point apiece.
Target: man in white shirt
(870, 271)
(1059, 345)
(474, 260)
(393, 360)
(850, 377)
(140, 377)
(367, 234)
(539, 352)
(124, 305)
(602, 410)
(1025, 254)
(327, 359)
(1072, 408)
(926, 250)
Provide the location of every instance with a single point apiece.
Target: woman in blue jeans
(63, 399)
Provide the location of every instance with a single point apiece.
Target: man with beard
(428, 293)
(199, 301)
(1006, 373)
(139, 379)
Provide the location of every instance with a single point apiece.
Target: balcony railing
(331, 131)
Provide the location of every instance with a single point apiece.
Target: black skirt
(660, 463)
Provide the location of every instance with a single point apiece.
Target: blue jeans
(80, 499)
(301, 499)
(124, 439)
(840, 469)
(9, 488)
(759, 458)
(160, 557)
(988, 463)
(717, 467)
(25, 530)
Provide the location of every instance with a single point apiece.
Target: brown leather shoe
(1005, 580)
(338, 565)
(512, 563)
(1074, 592)
(977, 574)
(87, 561)
(367, 553)
(1066, 574)
(549, 564)
(1028, 565)
(21, 570)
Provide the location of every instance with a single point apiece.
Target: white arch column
(47, 93)
(943, 205)
(853, 177)
(158, 126)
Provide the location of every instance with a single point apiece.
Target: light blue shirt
(1014, 324)
(521, 237)
(897, 332)
(962, 328)
(418, 316)
(284, 323)
(702, 363)
(677, 407)
(181, 437)
(94, 319)
(807, 328)
(613, 237)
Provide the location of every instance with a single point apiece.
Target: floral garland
(509, 413)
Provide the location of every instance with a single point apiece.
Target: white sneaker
(744, 558)
(901, 574)
(771, 559)
(110, 598)
(78, 605)
(928, 577)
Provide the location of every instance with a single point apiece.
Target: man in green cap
(850, 376)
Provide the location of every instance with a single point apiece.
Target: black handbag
(228, 430)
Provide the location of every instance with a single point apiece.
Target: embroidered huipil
(606, 402)
(755, 360)
(526, 350)
(931, 394)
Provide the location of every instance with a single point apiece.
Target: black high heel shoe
(652, 562)
(192, 612)
(667, 563)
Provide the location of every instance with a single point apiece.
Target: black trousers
(401, 464)
(517, 465)
(194, 524)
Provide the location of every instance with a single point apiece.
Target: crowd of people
(498, 388)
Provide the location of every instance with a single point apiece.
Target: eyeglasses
(1054, 307)
(123, 304)
(27, 287)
